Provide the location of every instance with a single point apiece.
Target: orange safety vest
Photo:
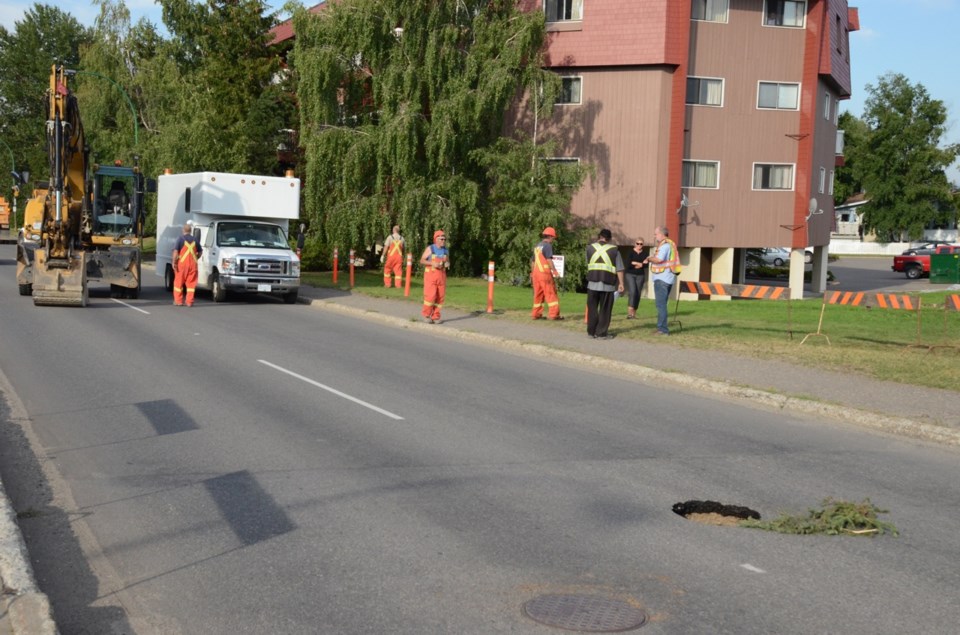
(673, 261)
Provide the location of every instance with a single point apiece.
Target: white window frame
(803, 20)
(836, 112)
(574, 6)
(753, 177)
(695, 162)
(778, 85)
(712, 79)
(823, 180)
(711, 6)
(827, 100)
(833, 174)
(579, 79)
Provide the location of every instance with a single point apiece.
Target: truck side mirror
(152, 185)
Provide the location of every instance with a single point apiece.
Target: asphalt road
(256, 467)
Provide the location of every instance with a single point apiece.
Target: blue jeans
(661, 294)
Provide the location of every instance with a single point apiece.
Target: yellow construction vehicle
(76, 228)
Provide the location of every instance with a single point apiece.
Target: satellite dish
(812, 207)
(684, 202)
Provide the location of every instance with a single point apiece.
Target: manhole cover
(585, 613)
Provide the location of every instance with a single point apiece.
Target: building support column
(721, 269)
(818, 282)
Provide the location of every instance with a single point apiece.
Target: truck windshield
(239, 234)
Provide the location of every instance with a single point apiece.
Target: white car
(775, 256)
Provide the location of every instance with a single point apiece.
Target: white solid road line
(333, 390)
(750, 567)
(130, 306)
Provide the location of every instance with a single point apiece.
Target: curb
(27, 609)
(863, 418)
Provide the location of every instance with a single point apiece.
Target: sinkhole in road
(585, 613)
(714, 513)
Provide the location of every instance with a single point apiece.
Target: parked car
(925, 248)
(774, 256)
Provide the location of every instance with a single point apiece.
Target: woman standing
(636, 277)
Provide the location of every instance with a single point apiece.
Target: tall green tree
(402, 110)
(231, 103)
(46, 35)
(902, 164)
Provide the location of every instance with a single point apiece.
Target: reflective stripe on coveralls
(544, 287)
(434, 284)
(393, 264)
(186, 274)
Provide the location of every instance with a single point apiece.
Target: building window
(569, 90)
(772, 176)
(563, 10)
(830, 183)
(704, 91)
(778, 96)
(784, 13)
(839, 35)
(704, 174)
(710, 10)
(836, 112)
(826, 106)
(823, 180)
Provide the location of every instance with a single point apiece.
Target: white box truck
(241, 221)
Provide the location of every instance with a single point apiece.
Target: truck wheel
(290, 298)
(26, 289)
(116, 291)
(914, 271)
(168, 278)
(216, 289)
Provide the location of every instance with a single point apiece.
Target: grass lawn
(879, 343)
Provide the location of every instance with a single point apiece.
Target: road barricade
(896, 301)
(748, 291)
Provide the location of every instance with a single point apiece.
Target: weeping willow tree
(402, 111)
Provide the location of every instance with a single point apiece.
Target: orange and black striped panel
(735, 290)
(848, 298)
(953, 302)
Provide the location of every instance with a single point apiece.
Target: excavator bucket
(60, 282)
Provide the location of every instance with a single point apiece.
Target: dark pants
(599, 310)
(634, 287)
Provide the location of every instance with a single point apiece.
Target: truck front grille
(264, 266)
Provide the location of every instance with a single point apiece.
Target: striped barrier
(953, 302)
(895, 301)
(748, 291)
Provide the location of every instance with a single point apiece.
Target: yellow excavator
(75, 228)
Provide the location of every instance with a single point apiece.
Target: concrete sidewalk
(922, 413)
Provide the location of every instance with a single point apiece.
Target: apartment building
(715, 118)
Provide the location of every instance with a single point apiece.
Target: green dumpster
(945, 269)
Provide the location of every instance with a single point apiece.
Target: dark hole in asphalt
(687, 508)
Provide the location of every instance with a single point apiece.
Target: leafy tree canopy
(901, 164)
(46, 35)
(402, 109)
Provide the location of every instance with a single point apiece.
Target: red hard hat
(549, 231)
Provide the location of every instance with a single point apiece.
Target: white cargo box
(227, 194)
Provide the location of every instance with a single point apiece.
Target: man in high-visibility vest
(543, 273)
(435, 260)
(664, 267)
(186, 253)
(604, 276)
(392, 258)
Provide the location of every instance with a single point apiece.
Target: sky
(916, 38)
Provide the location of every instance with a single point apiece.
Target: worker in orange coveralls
(543, 274)
(436, 261)
(393, 258)
(186, 253)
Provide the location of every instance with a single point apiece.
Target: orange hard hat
(549, 231)
(437, 234)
